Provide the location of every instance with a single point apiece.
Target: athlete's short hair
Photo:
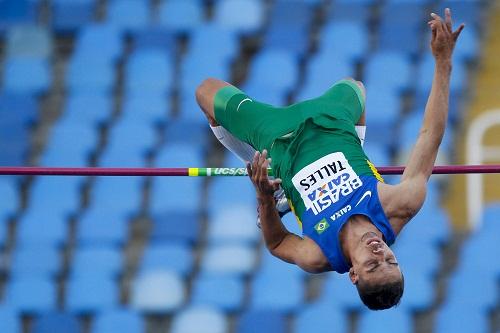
(381, 296)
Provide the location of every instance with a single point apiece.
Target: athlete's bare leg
(205, 95)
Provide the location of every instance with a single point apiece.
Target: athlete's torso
(328, 178)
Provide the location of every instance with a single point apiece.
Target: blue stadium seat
(427, 263)
(128, 15)
(340, 292)
(31, 295)
(59, 195)
(17, 12)
(101, 226)
(384, 106)
(270, 266)
(69, 144)
(178, 225)
(281, 293)
(181, 16)
(272, 75)
(173, 256)
(87, 109)
(104, 294)
(138, 136)
(157, 292)
(100, 261)
(469, 47)
(346, 10)
(419, 291)
(175, 132)
(35, 261)
(290, 25)
(231, 259)
(10, 202)
(242, 16)
(390, 69)
(470, 12)
(101, 42)
(26, 76)
(489, 218)
(9, 322)
(3, 235)
(119, 320)
(147, 107)
(149, 71)
(44, 228)
(50, 322)
(234, 225)
(425, 72)
(430, 215)
(90, 75)
(320, 318)
(68, 15)
(165, 191)
(155, 38)
(376, 152)
(409, 22)
(292, 224)
(194, 69)
(170, 194)
(17, 109)
(460, 318)
(200, 319)
(395, 320)
(261, 321)
(322, 71)
(227, 191)
(29, 41)
(223, 292)
(410, 128)
(214, 41)
(479, 253)
(346, 40)
(128, 144)
(120, 195)
(482, 295)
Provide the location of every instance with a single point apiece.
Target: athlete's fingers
(447, 19)
(458, 31)
(249, 169)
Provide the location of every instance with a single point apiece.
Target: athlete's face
(373, 261)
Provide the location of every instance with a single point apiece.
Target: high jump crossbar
(203, 172)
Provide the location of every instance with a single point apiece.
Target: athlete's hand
(443, 37)
(257, 171)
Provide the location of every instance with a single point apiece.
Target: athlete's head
(375, 273)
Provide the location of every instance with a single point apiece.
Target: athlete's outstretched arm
(426, 148)
(410, 193)
(279, 241)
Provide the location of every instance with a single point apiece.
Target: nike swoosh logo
(243, 101)
(366, 194)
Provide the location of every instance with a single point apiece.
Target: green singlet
(300, 134)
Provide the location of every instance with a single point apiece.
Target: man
(349, 215)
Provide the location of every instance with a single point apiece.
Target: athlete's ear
(353, 276)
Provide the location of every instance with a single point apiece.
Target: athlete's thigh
(347, 100)
(251, 121)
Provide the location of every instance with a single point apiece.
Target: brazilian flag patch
(321, 226)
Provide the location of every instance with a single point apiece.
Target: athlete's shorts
(261, 124)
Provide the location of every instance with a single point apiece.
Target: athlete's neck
(353, 231)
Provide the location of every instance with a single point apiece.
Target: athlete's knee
(360, 85)
(205, 95)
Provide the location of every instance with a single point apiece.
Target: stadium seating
(112, 83)
(118, 320)
(201, 319)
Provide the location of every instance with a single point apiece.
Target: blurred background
(111, 83)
